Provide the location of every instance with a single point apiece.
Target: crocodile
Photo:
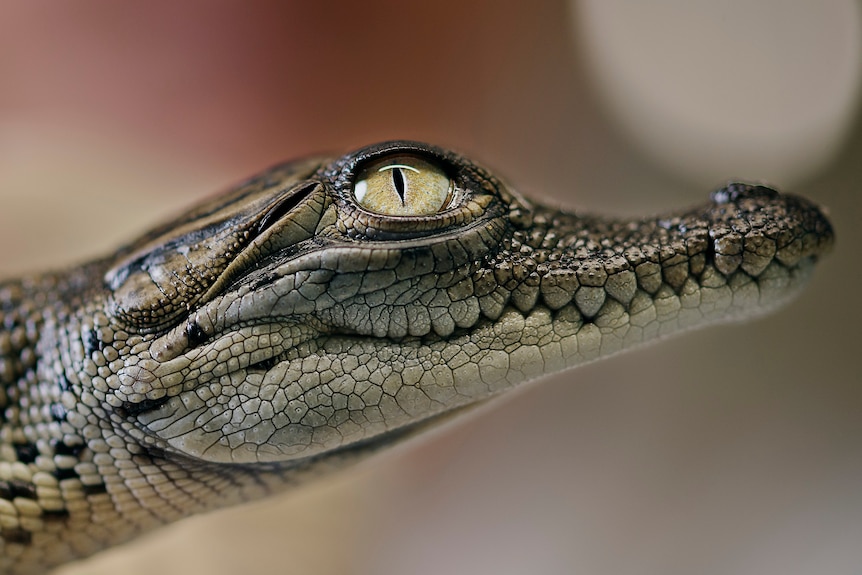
(330, 307)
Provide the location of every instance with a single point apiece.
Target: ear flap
(165, 273)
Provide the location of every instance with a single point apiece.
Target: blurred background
(733, 450)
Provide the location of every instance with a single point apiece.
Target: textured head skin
(281, 327)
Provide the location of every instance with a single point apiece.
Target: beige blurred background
(732, 450)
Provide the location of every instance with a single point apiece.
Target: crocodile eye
(403, 186)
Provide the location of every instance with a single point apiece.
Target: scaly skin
(280, 330)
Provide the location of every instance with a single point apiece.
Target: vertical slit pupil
(398, 180)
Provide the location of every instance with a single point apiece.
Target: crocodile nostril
(736, 191)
